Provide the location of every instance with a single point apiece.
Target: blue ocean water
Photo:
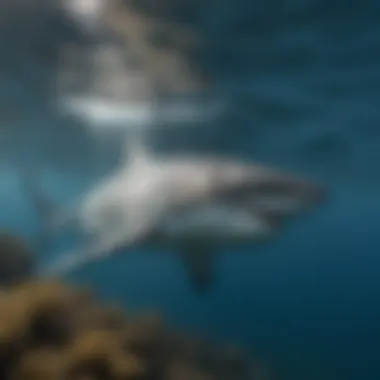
(304, 88)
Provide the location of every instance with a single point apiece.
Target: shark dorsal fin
(135, 153)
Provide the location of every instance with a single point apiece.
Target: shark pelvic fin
(199, 263)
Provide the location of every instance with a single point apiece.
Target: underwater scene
(189, 190)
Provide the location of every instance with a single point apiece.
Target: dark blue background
(303, 79)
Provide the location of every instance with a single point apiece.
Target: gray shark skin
(192, 205)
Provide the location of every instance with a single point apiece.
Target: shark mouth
(275, 198)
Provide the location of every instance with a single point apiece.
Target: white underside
(215, 223)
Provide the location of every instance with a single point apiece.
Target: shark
(189, 205)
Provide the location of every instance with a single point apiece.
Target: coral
(52, 331)
(47, 364)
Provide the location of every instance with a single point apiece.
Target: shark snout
(302, 194)
(271, 200)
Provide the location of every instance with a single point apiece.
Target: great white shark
(192, 205)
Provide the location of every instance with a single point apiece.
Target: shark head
(227, 200)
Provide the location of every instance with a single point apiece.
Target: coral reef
(52, 331)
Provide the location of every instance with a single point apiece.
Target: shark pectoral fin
(199, 263)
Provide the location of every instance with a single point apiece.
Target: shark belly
(214, 225)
